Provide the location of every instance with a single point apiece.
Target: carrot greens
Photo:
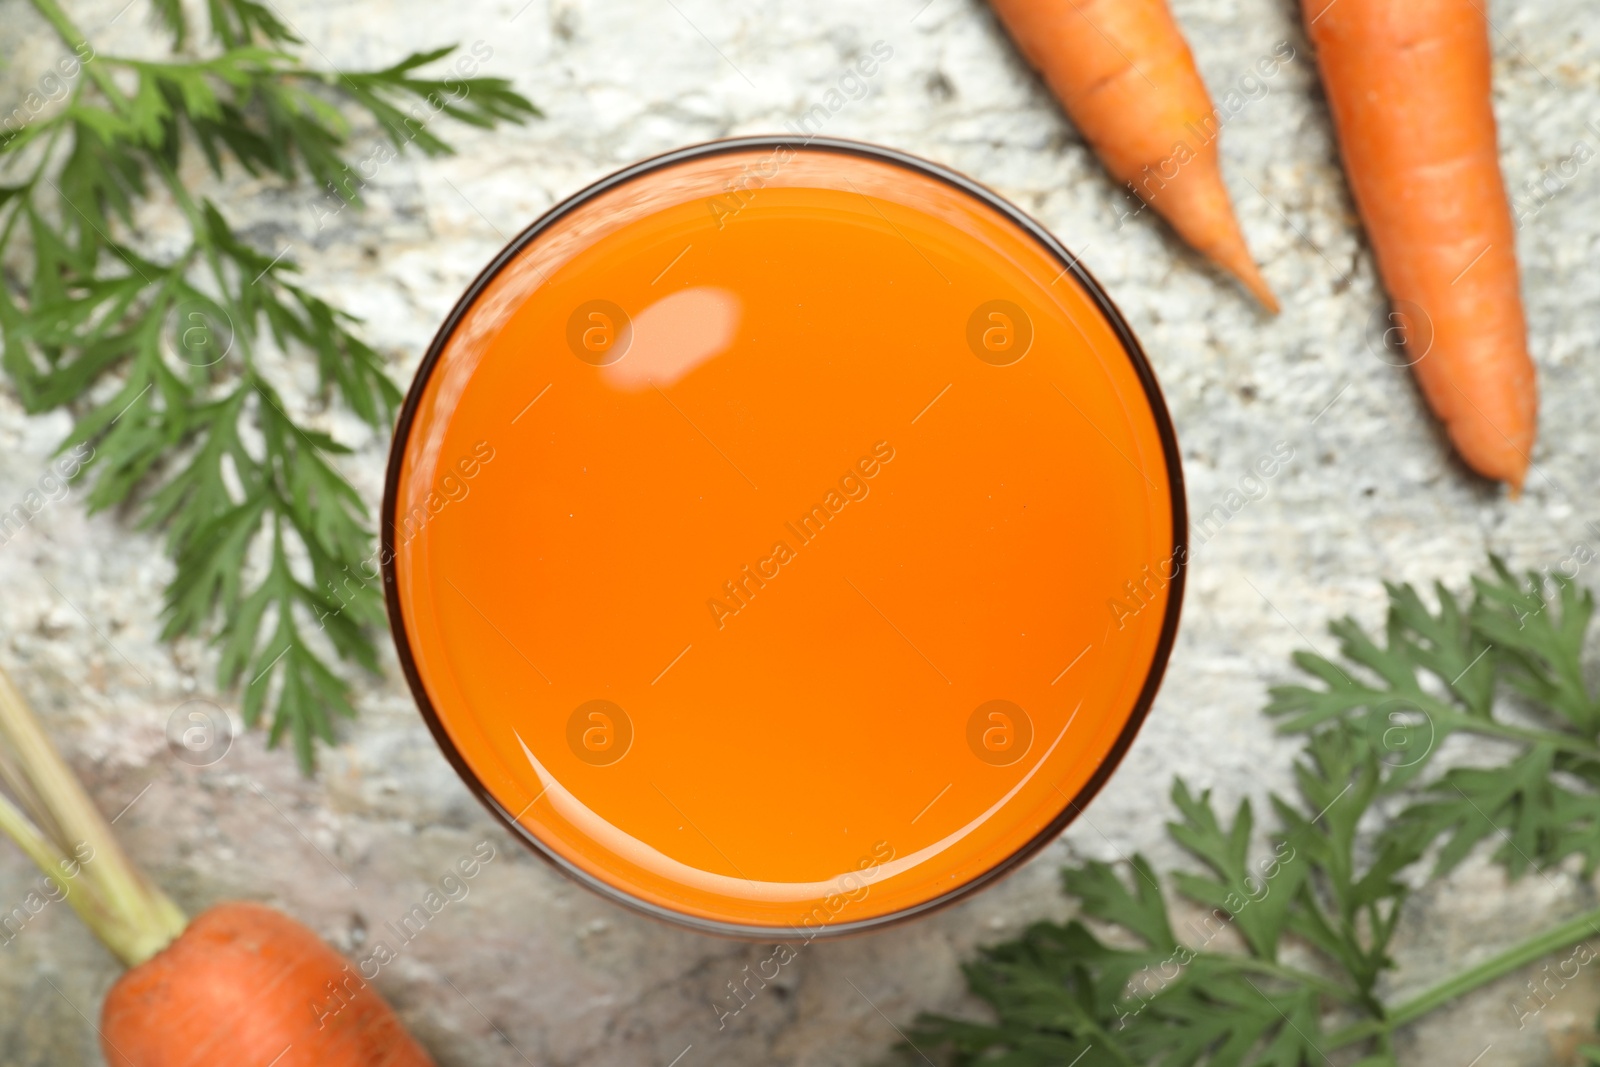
(1285, 964)
(156, 346)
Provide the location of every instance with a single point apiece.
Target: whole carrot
(240, 984)
(1127, 79)
(1408, 85)
(246, 984)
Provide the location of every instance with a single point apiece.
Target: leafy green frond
(1533, 819)
(1349, 911)
(1540, 639)
(156, 356)
(307, 691)
(169, 15)
(1324, 888)
(1103, 895)
(1059, 995)
(476, 101)
(233, 23)
(100, 180)
(1221, 1015)
(240, 22)
(1443, 643)
(1257, 896)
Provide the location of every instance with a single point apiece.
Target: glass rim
(1175, 485)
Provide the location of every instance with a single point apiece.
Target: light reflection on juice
(766, 555)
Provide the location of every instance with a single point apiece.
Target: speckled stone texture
(529, 969)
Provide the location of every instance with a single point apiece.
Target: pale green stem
(134, 918)
(17, 826)
(1535, 948)
(1291, 974)
(1507, 731)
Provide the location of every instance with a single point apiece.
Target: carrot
(1408, 85)
(240, 984)
(247, 984)
(1127, 79)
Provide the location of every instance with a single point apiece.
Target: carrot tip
(1233, 257)
(1268, 300)
(1250, 277)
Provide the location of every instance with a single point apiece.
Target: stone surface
(531, 969)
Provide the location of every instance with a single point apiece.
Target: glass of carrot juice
(784, 538)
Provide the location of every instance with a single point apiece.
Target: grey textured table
(529, 968)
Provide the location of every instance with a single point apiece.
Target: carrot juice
(784, 537)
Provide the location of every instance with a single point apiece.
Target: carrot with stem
(1408, 87)
(242, 983)
(1125, 76)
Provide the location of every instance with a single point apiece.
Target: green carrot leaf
(1284, 961)
(156, 354)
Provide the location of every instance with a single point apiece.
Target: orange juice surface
(784, 538)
